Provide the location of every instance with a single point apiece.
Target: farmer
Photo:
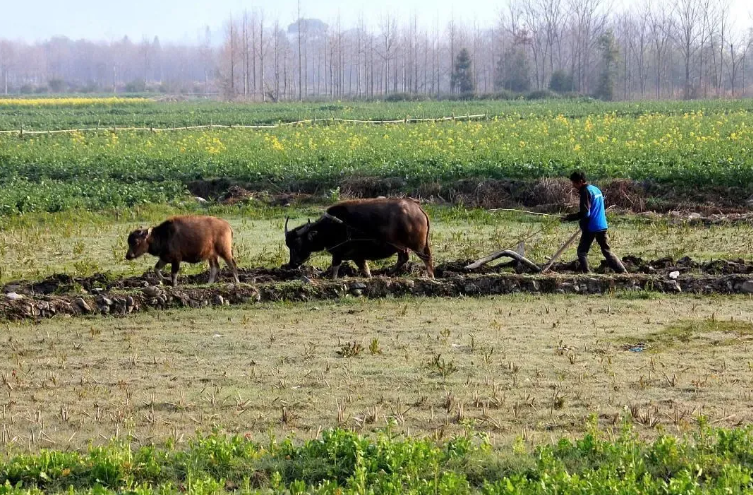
(593, 223)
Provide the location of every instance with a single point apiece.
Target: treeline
(62, 65)
(683, 49)
(676, 49)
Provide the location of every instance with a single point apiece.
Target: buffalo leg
(402, 259)
(233, 266)
(174, 273)
(158, 269)
(426, 258)
(363, 265)
(336, 262)
(214, 267)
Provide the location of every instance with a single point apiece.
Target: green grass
(713, 461)
(81, 243)
(710, 331)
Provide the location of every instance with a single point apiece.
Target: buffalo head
(301, 242)
(138, 243)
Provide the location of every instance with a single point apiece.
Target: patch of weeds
(78, 248)
(350, 349)
(84, 268)
(441, 367)
(637, 295)
(374, 348)
(688, 331)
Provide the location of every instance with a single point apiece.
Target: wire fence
(407, 120)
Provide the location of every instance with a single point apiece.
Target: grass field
(34, 246)
(506, 366)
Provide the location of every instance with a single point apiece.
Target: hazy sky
(183, 20)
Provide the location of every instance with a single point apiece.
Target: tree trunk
(300, 56)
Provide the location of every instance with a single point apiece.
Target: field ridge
(134, 294)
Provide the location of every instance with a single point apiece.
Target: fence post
(21, 132)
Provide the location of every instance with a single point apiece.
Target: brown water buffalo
(362, 230)
(190, 239)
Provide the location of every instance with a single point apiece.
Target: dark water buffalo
(190, 239)
(362, 230)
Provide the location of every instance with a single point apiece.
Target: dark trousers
(586, 239)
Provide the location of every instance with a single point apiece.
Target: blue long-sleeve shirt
(592, 214)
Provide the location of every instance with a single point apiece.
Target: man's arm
(585, 207)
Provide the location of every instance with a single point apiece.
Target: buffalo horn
(286, 225)
(332, 217)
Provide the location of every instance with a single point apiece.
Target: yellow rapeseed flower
(48, 102)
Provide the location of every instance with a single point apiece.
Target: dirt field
(507, 365)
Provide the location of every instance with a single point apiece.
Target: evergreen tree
(513, 71)
(561, 82)
(609, 53)
(462, 73)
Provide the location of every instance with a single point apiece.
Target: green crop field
(687, 150)
(72, 113)
(626, 391)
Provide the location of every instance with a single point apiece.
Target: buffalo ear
(312, 234)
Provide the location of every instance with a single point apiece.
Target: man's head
(578, 179)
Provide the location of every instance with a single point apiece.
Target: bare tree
(661, 27)
(232, 52)
(588, 21)
(452, 34)
(388, 40)
(688, 13)
(534, 38)
(738, 48)
(301, 89)
(245, 41)
(722, 22)
(262, 49)
(276, 56)
(6, 62)
(638, 44)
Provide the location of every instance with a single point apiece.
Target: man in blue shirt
(593, 223)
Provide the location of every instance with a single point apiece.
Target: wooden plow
(519, 255)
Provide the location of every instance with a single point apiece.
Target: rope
(23, 132)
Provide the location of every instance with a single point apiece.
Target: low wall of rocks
(124, 302)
